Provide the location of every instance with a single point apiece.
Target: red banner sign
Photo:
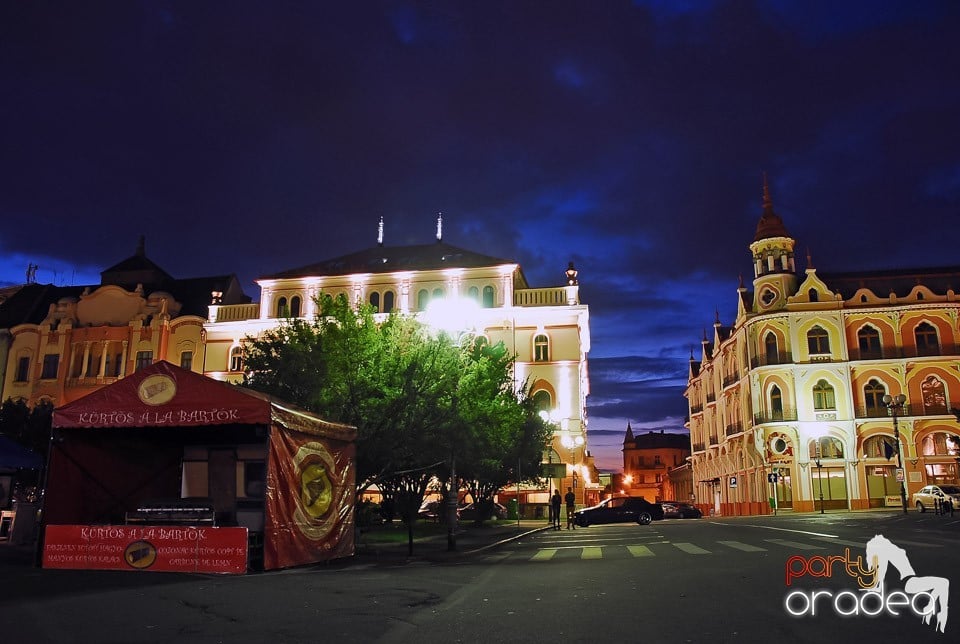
(157, 548)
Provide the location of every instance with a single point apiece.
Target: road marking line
(546, 554)
(640, 551)
(592, 552)
(794, 544)
(843, 542)
(767, 527)
(746, 547)
(689, 548)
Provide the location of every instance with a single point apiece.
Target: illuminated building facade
(63, 342)
(791, 401)
(546, 328)
(648, 460)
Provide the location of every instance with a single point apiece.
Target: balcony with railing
(774, 416)
(235, 312)
(767, 360)
(696, 409)
(711, 397)
(698, 447)
(893, 353)
(731, 379)
(734, 428)
(714, 440)
(553, 296)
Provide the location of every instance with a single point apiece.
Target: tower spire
(439, 227)
(380, 232)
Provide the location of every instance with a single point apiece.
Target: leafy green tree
(26, 426)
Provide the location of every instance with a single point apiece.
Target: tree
(26, 426)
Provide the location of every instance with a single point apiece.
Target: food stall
(168, 470)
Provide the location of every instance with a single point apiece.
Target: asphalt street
(707, 580)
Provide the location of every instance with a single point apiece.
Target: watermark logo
(925, 597)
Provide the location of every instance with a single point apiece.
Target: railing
(711, 397)
(873, 354)
(775, 416)
(237, 312)
(696, 409)
(554, 296)
(863, 411)
(891, 353)
(714, 440)
(765, 360)
(698, 447)
(731, 379)
(734, 428)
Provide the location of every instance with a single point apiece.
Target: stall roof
(164, 395)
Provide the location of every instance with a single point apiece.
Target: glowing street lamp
(895, 405)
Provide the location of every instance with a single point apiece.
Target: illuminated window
(868, 338)
(542, 400)
(388, 301)
(826, 447)
(144, 359)
(823, 396)
(236, 359)
(474, 294)
(488, 297)
(873, 447)
(776, 403)
(282, 310)
(295, 306)
(873, 394)
(934, 395)
(926, 336)
(186, 360)
(941, 444)
(818, 341)
(656, 460)
(23, 369)
(541, 348)
(773, 351)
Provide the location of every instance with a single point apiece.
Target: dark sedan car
(680, 510)
(621, 509)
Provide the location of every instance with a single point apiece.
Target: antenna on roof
(439, 226)
(380, 232)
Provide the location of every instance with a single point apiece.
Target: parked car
(927, 496)
(680, 510)
(620, 509)
(468, 512)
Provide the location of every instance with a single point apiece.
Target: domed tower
(774, 272)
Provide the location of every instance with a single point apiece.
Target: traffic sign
(733, 481)
(899, 475)
(772, 477)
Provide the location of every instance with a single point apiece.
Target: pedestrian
(571, 500)
(555, 501)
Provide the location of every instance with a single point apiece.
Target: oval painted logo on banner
(158, 389)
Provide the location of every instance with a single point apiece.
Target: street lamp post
(452, 498)
(895, 405)
(816, 461)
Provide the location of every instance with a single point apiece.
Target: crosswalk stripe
(592, 552)
(691, 549)
(545, 554)
(746, 547)
(640, 551)
(794, 544)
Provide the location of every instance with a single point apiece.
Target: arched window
(926, 336)
(542, 400)
(873, 393)
(823, 396)
(236, 359)
(438, 293)
(541, 348)
(474, 294)
(771, 348)
(488, 297)
(388, 302)
(813, 295)
(776, 403)
(423, 299)
(868, 339)
(295, 305)
(282, 310)
(375, 301)
(941, 444)
(826, 447)
(878, 446)
(934, 395)
(818, 341)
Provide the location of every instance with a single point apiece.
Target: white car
(926, 497)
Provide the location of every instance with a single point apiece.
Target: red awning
(164, 395)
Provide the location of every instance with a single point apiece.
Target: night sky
(628, 137)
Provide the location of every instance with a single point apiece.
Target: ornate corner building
(798, 403)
